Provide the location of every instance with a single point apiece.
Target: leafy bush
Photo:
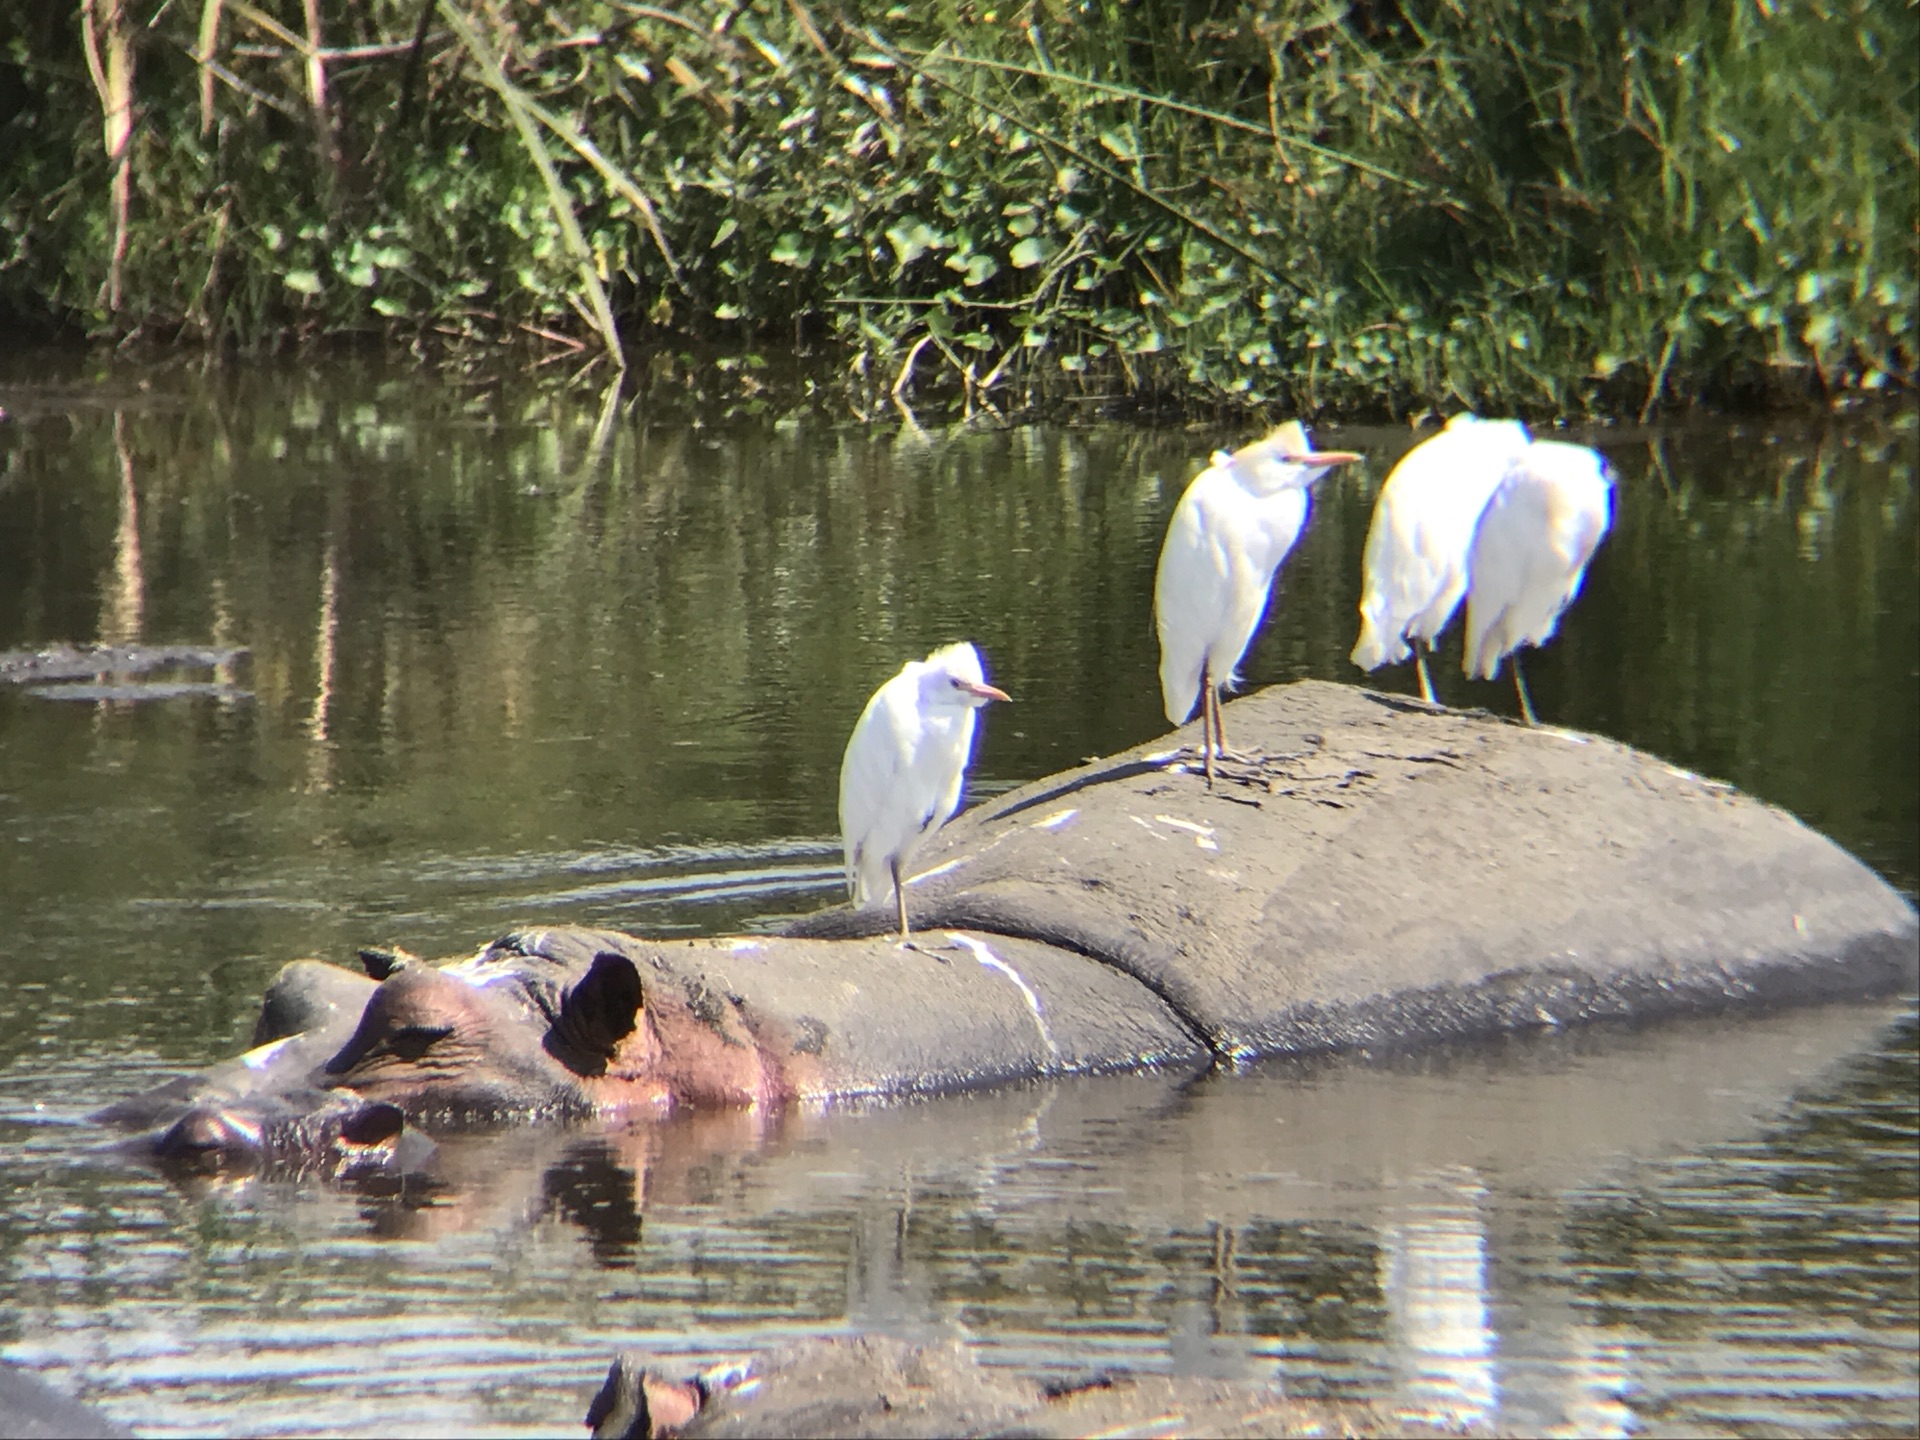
(1553, 206)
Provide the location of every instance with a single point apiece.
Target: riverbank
(1590, 212)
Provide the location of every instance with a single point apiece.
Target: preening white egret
(901, 776)
(1232, 528)
(1530, 553)
(1416, 558)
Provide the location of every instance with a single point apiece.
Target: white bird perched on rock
(1423, 522)
(1232, 528)
(901, 776)
(1530, 553)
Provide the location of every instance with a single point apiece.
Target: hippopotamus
(263, 1109)
(1369, 872)
(876, 1386)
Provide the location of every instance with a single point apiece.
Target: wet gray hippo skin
(1373, 873)
(875, 1386)
(270, 1107)
(31, 1409)
(1383, 874)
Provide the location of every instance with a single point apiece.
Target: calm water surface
(516, 657)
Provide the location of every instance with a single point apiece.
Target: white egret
(1530, 553)
(1416, 557)
(901, 776)
(1229, 533)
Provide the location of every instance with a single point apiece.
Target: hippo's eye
(410, 1042)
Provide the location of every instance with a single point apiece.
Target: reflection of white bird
(1232, 528)
(901, 776)
(1530, 554)
(1416, 559)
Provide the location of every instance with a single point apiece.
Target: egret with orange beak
(1229, 534)
(904, 767)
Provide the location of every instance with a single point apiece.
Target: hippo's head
(436, 1042)
(335, 1134)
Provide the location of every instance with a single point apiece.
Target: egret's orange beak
(985, 692)
(1324, 458)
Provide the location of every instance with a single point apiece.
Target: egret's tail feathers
(1179, 706)
(1374, 648)
(864, 882)
(1179, 690)
(1484, 650)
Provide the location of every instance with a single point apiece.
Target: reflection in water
(126, 591)
(1433, 1270)
(521, 658)
(326, 646)
(1088, 1223)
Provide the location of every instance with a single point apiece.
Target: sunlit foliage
(1561, 207)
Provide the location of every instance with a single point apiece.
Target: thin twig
(209, 43)
(410, 77)
(906, 371)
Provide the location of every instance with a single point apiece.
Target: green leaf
(1028, 253)
(981, 267)
(388, 306)
(913, 238)
(305, 282)
(792, 249)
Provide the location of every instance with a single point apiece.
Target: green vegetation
(1554, 206)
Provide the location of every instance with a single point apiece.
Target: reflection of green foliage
(540, 655)
(1793, 1224)
(1593, 204)
(1320, 1281)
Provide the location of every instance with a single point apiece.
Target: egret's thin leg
(900, 896)
(1219, 728)
(1520, 686)
(1420, 663)
(1206, 722)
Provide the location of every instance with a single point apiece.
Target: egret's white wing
(1509, 565)
(1530, 551)
(1415, 568)
(1192, 589)
(1267, 531)
(870, 778)
(946, 744)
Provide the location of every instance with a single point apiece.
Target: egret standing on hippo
(901, 777)
(1229, 534)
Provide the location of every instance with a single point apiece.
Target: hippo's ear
(597, 1015)
(380, 962)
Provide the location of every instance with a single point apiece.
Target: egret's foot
(932, 952)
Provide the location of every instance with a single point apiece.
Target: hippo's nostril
(374, 1125)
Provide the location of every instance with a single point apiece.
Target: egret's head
(1284, 458)
(953, 675)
